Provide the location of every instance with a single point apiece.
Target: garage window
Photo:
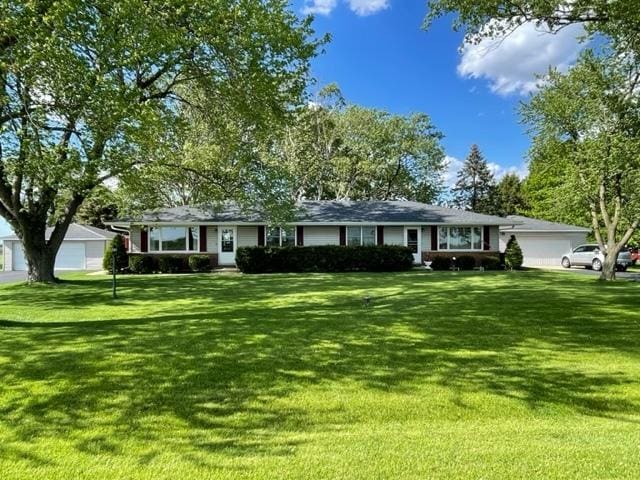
(174, 239)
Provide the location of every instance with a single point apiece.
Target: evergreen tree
(122, 258)
(475, 187)
(513, 254)
(509, 196)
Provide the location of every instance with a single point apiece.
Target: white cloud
(454, 165)
(319, 7)
(360, 7)
(368, 7)
(499, 171)
(511, 63)
(450, 175)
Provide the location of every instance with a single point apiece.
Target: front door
(412, 240)
(226, 245)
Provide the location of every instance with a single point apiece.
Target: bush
(141, 264)
(327, 258)
(491, 263)
(466, 262)
(199, 263)
(513, 254)
(171, 264)
(441, 262)
(122, 258)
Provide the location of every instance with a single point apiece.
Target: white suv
(590, 256)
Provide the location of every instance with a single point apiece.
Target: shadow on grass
(223, 363)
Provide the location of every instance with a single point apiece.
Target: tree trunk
(608, 272)
(40, 265)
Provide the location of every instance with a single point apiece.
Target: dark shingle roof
(325, 212)
(77, 232)
(527, 224)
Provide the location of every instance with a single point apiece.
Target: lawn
(451, 375)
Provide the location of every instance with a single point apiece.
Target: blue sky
(381, 57)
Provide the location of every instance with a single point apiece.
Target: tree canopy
(475, 186)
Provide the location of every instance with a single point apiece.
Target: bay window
(359, 236)
(174, 239)
(460, 238)
(281, 237)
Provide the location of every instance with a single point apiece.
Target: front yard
(479, 375)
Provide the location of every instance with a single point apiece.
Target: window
(358, 236)
(281, 237)
(460, 238)
(174, 239)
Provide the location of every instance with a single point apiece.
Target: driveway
(11, 277)
(633, 275)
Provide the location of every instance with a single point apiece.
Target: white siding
(247, 236)
(94, 251)
(543, 249)
(426, 239)
(8, 259)
(135, 239)
(321, 236)
(393, 235)
(212, 240)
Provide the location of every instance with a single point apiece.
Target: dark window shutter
(261, 235)
(300, 236)
(144, 240)
(343, 235)
(203, 238)
(487, 238)
(434, 238)
(380, 235)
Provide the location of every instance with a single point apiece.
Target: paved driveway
(633, 276)
(9, 277)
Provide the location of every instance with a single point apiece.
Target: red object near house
(635, 255)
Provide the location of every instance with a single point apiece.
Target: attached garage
(543, 243)
(82, 249)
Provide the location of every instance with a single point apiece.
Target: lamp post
(114, 252)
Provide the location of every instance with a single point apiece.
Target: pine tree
(122, 258)
(475, 188)
(509, 196)
(513, 254)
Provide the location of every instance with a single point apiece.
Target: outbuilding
(543, 243)
(83, 248)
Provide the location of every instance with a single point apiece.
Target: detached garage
(82, 249)
(543, 243)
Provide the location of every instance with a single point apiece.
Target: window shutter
(203, 238)
(487, 238)
(261, 235)
(380, 235)
(300, 236)
(434, 238)
(343, 235)
(144, 240)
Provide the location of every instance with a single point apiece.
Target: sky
(381, 57)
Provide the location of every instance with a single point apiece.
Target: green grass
(483, 375)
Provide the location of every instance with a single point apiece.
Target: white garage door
(71, 256)
(543, 251)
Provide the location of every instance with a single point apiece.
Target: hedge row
(466, 262)
(326, 258)
(168, 263)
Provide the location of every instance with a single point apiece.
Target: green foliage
(199, 263)
(326, 258)
(474, 189)
(466, 262)
(509, 198)
(121, 256)
(143, 264)
(513, 254)
(490, 262)
(171, 263)
(441, 262)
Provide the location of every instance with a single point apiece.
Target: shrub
(491, 263)
(171, 264)
(466, 262)
(122, 258)
(513, 254)
(327, 258)
(440, 262)
(141, 264)
(199, 263)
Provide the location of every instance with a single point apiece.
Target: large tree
(91, 89)
(475, 187)
(509, 196)
(589, 120)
